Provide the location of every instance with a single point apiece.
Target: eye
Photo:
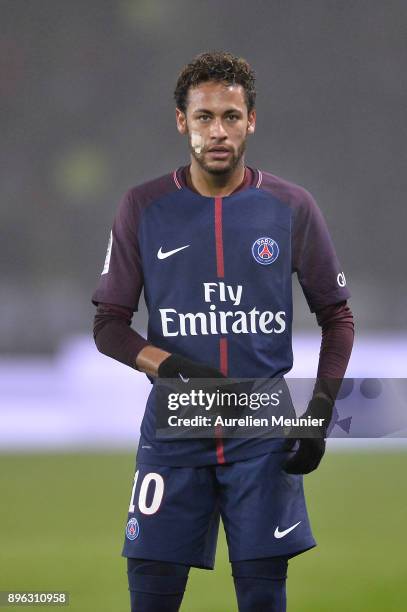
(233, 117)
(204, 118)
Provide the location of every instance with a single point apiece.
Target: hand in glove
(312, 449)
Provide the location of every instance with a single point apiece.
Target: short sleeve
(314, 257)
(121, 280)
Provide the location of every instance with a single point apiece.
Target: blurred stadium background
(86, 96)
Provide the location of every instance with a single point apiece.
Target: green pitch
(62, 519)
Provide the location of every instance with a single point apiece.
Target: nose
(217, 132)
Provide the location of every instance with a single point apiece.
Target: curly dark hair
(216, 66)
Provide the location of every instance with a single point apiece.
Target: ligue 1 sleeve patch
(265, 250)
(108, 254)
(341, 280)
(132, 529)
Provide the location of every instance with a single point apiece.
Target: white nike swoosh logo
(162, 255)
(281, 534)
(184, 380)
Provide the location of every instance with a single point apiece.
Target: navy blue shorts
(174, 512)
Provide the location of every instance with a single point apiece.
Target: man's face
(217, 124)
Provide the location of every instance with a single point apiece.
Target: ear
(251, 121)
(181, 120)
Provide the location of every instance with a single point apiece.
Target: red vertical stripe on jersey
(223, 343)
(220, 266)
(219, 444)
(223, 359)
(223, 355)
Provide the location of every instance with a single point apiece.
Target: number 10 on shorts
(150, 480)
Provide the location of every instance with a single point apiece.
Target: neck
(212, 185)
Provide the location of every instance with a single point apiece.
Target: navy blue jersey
(217, 276)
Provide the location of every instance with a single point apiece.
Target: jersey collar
(252, 178)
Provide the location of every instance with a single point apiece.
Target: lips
(219, 152)
(218, 149)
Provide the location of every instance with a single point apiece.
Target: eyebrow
(208, 112)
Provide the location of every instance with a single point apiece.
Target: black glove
(185, 375)
(312, 449)
(177, 366)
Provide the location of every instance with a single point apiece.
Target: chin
(218, 169)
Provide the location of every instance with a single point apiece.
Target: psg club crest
(132, 529)
(265, 250)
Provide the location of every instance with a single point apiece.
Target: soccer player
(214, 244)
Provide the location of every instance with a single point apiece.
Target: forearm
(336, 346)
(115, 338)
